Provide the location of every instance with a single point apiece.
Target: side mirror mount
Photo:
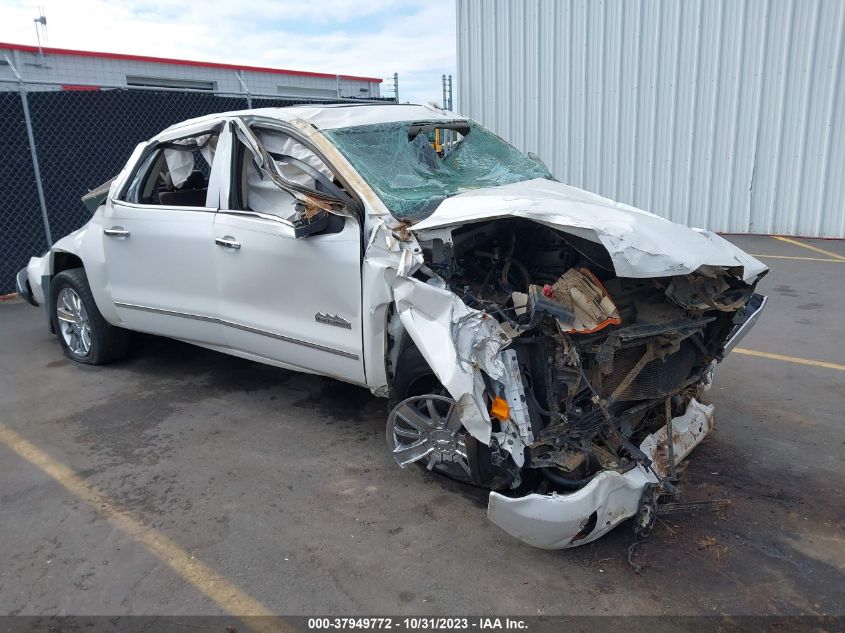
(304, 226)
(320, 223)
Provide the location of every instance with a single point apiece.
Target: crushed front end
(568, 379)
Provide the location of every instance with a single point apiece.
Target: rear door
(158, 241)
(295, 301)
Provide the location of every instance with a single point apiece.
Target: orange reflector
(500, 409)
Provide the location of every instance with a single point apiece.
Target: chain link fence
(71, 141)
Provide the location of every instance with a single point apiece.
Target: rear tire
(85, 336)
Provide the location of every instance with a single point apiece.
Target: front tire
(84, 334)
(417, 394)
(413, 377)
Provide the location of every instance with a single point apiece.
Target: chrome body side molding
(238, 326)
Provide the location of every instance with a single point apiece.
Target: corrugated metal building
(723, 114)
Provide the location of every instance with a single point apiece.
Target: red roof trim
(76, 87)
(180, 62)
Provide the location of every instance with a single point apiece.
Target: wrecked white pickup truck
(534, 339)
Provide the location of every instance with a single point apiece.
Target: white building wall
(81, 69)
(723, 114)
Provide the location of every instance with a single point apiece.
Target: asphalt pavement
(182, 481)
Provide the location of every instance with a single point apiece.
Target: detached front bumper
(559, 521)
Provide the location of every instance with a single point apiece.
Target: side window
(175, 173)
(296, 163)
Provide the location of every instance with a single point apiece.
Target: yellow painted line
(202, 577)
(806, 259)
(789, 240)
(789, 359)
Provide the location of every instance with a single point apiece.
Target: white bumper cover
(556, 521)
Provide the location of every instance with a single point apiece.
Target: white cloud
(414, 38)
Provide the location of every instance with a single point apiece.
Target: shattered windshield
(413, 168)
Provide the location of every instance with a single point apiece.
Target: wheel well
(399, 347)
(65, 261)
(413, 376)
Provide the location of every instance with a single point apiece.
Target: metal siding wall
(724, 114)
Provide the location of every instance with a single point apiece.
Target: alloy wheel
(74, 324)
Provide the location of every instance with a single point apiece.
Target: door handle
(117, 231)
(228, 242)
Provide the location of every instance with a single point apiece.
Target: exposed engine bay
(584, 369)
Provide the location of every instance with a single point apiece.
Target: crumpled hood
(640, 244)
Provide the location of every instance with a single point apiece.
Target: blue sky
(360, 37)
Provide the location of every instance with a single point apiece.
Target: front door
(294, 301)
